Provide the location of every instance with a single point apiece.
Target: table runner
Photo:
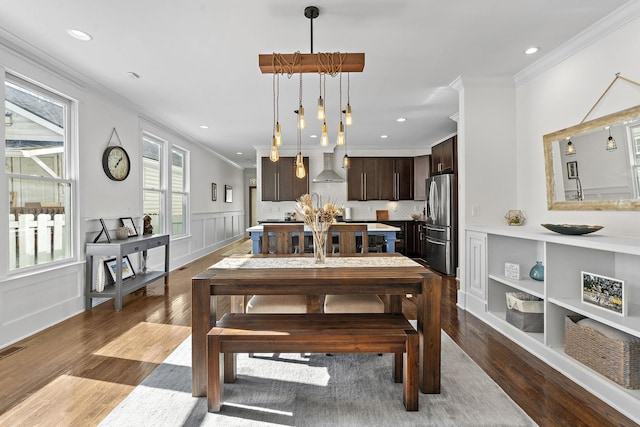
(308, 262)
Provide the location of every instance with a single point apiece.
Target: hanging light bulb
(611, 142)
(340, 140)
(274, 156)
(571, 149)
(278, 135)
(324, 137)
(300, 171)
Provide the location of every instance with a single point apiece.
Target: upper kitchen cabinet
(279, 181)
(443, 157)
(395, 178)
(362, 179)
(421, 167)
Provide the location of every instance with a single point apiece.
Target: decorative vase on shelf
(537, 271)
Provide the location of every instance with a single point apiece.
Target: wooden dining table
(390, 274)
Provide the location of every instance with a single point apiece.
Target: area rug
(242, 249)
(319, 390)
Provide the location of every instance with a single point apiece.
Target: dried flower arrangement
(318, 219)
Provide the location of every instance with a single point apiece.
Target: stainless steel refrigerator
(441, 233)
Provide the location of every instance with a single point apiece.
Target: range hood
(327, 174)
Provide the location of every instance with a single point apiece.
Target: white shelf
(628, 324)
(502, 316)
(527, 285)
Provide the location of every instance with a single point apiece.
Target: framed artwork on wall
(228, 194)
(572, 170)
(214, 192)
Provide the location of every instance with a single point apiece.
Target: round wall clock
(116, 164)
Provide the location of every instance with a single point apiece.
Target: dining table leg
(428, 308)
(203, 317)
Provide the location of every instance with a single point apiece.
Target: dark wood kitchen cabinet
(395, 178)
(421, 167)
(443, 157)
(362, 179)
(279, 181)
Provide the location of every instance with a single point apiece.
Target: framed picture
(604, 292)
(127, 269)
(131, 227)
(103, 231)
(214, 192)
(228, 194)
(572, 170)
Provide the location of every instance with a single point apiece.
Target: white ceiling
(198, 59)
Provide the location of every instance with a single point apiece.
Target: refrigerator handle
(436, 242)
(433, 197)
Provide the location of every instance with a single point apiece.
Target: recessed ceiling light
(79, 34)
(531, 50)
(239, 153)
(384, 136)
(313, 136)
(204, 127)
(401, 119)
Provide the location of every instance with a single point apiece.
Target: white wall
(32, 301)
(559, 98)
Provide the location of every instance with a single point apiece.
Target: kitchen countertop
(371, 226)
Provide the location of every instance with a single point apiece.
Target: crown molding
(582, 40)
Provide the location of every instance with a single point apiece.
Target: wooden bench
(313, 333)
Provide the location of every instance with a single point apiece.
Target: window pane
(178, 214)
(34, 133)
(39, 222)
(177, 170)
(151, 164)
(151, 204)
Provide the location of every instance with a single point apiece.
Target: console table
(118, 249)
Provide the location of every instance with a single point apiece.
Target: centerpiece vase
(320, 246)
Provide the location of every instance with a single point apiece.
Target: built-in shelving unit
(564, 258)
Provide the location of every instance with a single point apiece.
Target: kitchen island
(373, 228)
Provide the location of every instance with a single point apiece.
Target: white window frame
(162, 190)
(70, 171)
(184, 193)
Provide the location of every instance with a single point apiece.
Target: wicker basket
(617, 360)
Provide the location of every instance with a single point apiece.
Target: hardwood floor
(76, 372)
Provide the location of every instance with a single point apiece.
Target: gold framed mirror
(595, 165)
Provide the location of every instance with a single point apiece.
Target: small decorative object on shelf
(537, 271)
(147, 228)
(515, 217)
(318, 219)
(511, 270)
(122, 233)
(572, 229)
(604, 292)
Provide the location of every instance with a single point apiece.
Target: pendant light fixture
(333, 63)
(611, 142)
(321, 112)
(346, 162)
(571, 149)
(340, 140)
(300, 171)
(274, 156)
(278, 132)
(347, 112)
